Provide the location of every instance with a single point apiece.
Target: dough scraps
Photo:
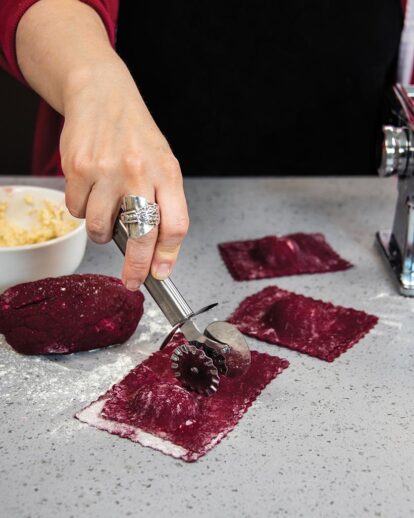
(150, 407)
(274, 256)
(301, 323)
(69, 314)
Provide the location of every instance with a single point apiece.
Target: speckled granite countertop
(322, 440)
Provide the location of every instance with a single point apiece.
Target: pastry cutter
(221, 350)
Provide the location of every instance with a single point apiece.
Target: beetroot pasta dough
(274, 256)
(69, 314)
(301, 323)
(150, 407)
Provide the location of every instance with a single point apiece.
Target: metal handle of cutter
(165, 293)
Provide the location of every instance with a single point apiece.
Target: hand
(110, 146)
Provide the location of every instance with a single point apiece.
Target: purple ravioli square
(277, 256)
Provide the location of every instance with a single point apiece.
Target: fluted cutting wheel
(194, 369)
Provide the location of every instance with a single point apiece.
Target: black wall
(18, 106)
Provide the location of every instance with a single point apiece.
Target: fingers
(94, 190)
(93, 199)
(101, 211)
(173, 226)
(138, 258)
(77, 179)
(76, 197)
(139, 252)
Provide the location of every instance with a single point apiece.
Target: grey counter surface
(322, 440)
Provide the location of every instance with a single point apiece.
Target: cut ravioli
(301, 323)
(150, 407)
(274, 256)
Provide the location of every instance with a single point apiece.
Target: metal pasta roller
(397, 158)
(220, 350)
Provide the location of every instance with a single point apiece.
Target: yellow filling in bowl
(50, 221)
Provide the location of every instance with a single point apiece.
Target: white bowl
(59, 256)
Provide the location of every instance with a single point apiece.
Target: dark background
(212, 79)
(18, 106)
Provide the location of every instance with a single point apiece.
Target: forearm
(110, 145)
(58, 44)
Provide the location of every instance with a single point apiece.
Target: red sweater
(46, 159)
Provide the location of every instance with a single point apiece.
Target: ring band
(139, 215)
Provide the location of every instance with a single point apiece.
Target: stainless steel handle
(169, 300)
(165, 293)
(120, 235)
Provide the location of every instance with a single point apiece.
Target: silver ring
(149, 215)
(139, 215)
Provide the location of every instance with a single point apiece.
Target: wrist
(89, 76)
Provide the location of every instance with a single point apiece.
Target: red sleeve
(11, 12)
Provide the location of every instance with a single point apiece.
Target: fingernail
(162, 271)
(132, 285)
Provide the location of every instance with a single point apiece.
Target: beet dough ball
(69, 314)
